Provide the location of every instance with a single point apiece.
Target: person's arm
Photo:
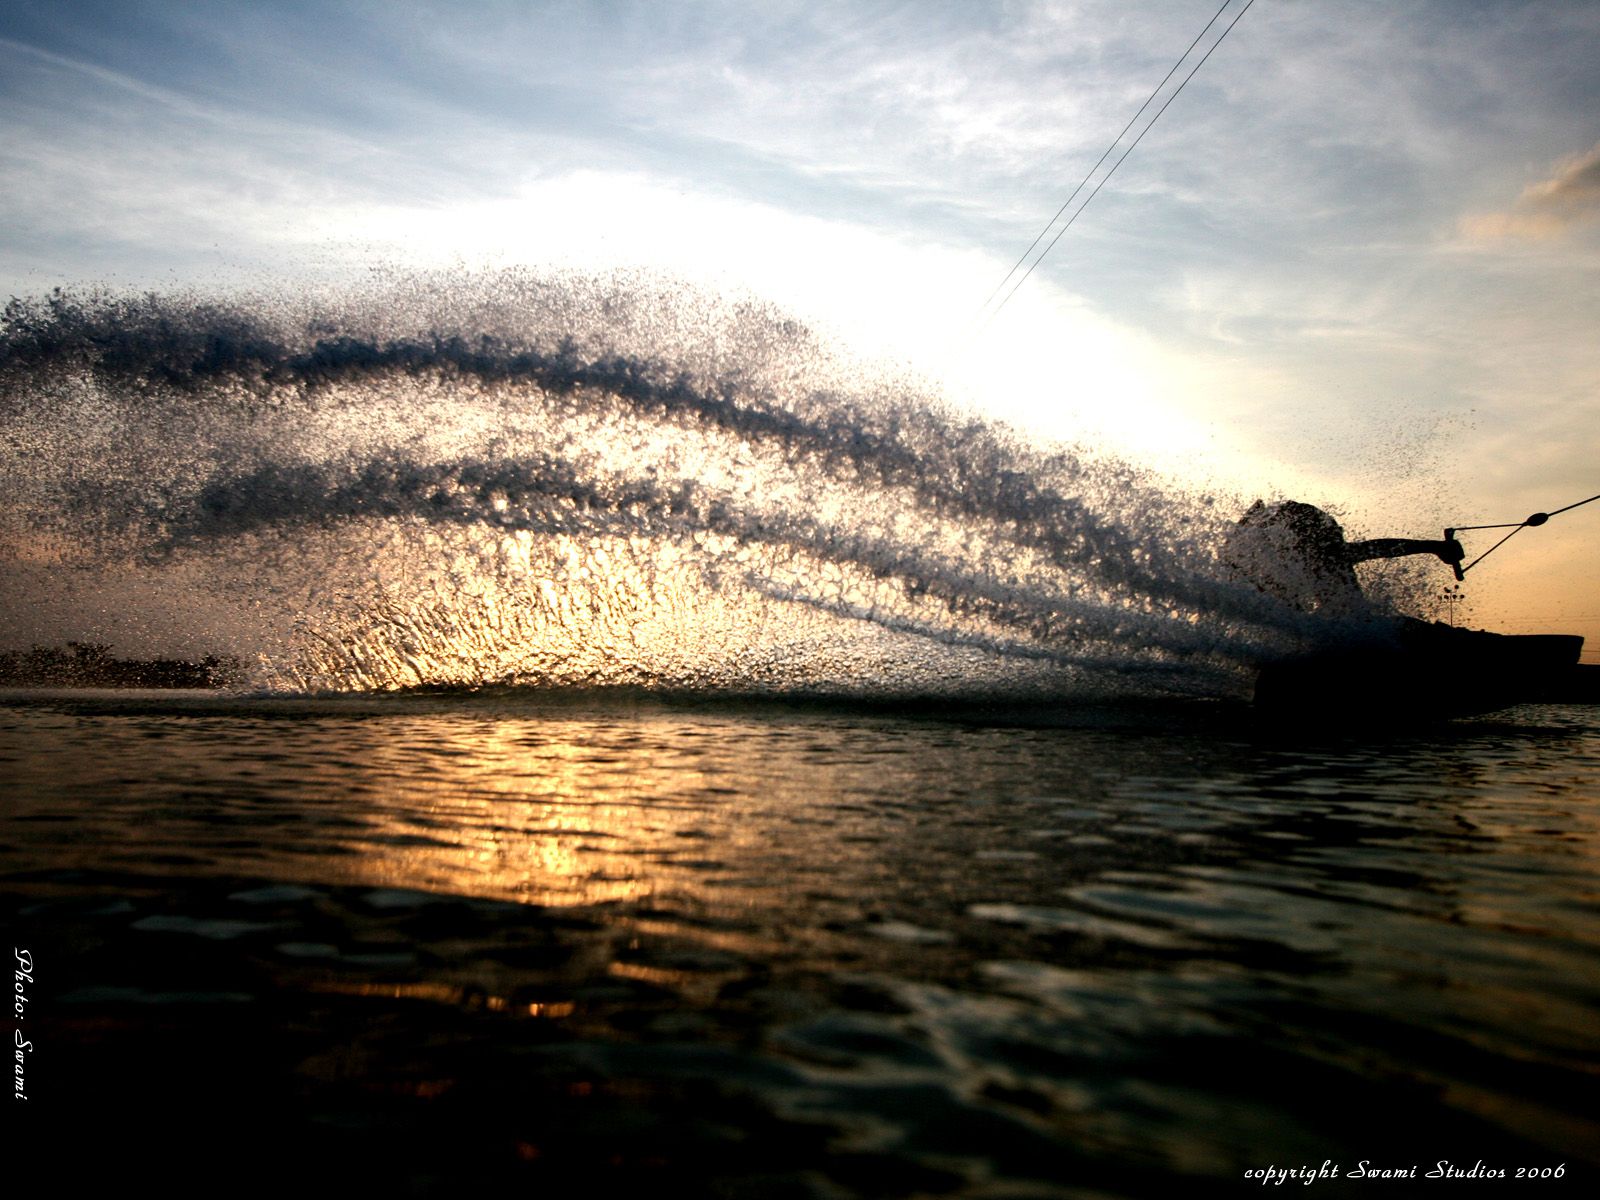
(1449, 551)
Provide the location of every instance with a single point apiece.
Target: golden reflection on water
(561, 813)
(443, 993)
(501, 811)
(715, 815)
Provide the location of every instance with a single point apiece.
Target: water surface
(765, 950)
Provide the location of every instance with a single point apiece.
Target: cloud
(1548, 208)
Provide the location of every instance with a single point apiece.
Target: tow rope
(1538, 518)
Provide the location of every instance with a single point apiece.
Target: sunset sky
(1356, 261)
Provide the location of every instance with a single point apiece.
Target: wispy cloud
(1549, 208)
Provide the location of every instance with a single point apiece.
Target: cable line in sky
(983, 320)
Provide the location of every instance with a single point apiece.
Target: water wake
(507, 479)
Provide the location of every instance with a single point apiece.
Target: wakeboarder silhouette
(1299, 554)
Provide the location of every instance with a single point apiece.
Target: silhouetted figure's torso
(1298, 553)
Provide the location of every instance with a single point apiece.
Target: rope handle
(1532, 522)
(1450, 536)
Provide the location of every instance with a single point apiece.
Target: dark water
(427, 945)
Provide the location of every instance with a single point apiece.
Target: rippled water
(738, 949)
